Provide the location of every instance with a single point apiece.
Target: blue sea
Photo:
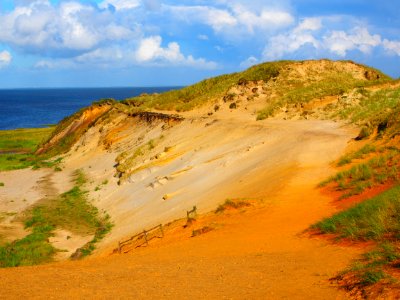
(28, 108)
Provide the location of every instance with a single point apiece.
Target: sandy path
(260, 254)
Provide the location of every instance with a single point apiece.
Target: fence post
(162, 230)
(145, 237)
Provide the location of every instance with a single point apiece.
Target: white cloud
(203, 37)
(5, 58)
(311, 24)
(151, 51)
(234, 21)
(392, 46)
(317, 37)
(294, 40)
(120, 4)
(250, 61)
(216, 18)
(267, 19)
(340, 42)
(63, 30)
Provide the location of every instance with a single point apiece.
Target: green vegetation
(32, 249)
(378, 170)
(374, 108)
(376, 219)
(1, 183)
(71, 211)
(372, 219)
(299, 91)
(17, 148)
(359, 154)
(231, 204)
(200, 93)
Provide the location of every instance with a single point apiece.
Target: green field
(17, 148)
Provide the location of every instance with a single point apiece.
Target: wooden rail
(143, 235)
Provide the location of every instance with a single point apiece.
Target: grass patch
(359, 154)
(376, 219)
(294, 92)
(34, 248)
(374, 108)
(373, 219)
(231, 204)
(72, 211)
(377, 170)
(17, 148)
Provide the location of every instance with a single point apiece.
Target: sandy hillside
(255, 254)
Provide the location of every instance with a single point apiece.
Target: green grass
(25, 140)
(378, 170)
(34, 248)
(72, 211)
(359, 154)
(200, 93)
(374, 108)
(303, 90)
(373, 219)
(17, 148)
(376, 219)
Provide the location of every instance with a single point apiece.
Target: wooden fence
(145, 236)
(142, 238)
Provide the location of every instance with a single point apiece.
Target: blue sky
(74, 43)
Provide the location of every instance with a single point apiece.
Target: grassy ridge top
(326, 80)
(195, 95)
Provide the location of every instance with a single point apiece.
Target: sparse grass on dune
(359, 154)
(372, 219)
(304, 89)
(374, 109)
(232, 204)
(72, 211)
(200, 93)
(32, 249)
(383, 167)
(378, 220)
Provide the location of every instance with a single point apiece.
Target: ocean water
(28, 108)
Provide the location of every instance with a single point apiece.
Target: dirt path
(260, 254)
(257, 255)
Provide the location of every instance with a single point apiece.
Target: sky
(105, 43)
